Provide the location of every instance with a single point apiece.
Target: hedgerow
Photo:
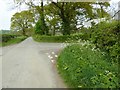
(106, 36)
(43, 38)
(7, 37)
(85, 67)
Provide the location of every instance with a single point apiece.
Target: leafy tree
(41, 27)
(22, 21)
(53, 21)
(70, 13)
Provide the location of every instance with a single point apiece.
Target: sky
(6, 12)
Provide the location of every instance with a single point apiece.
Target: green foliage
(38, 28)
(44, 38)
(76, 37)
(106, 36)
(83, 67)
(7, 37)
(22, 21)
(63, 15)
(62, 38)
(41, 28)
(72, 13)
(11, 39)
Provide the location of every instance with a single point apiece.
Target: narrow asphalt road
(30, 64)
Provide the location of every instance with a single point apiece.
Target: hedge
(7, 37)
(83, 67)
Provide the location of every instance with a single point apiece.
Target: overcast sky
(6, 13)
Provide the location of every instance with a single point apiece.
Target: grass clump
(83, 67)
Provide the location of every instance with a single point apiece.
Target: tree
(54, 25)
(41, 27)
(72, 12)
(22, 21)
(53, 21)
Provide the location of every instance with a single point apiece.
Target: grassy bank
(13, 41)
(84, 67)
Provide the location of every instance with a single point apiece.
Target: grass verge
(82, 67)
(13, 41)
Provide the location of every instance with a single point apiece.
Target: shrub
(83, 67)
(7, 37)
(13, 40)
(106, 36)
(62, 38)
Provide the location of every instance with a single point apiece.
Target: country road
(30, 64)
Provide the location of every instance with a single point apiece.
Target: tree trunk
(66, 27)
(54, 31)
(44, 26)
(23, 32)
(65, 23)
(65, 20)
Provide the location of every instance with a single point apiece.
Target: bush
(83, 67)
(64, 38)
(106, 36)
(7, 37)
(13, 40)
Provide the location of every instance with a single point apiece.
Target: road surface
(30, 64)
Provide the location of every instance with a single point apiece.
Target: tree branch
(115, 13)
(55, 4)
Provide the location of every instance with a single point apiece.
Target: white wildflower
(56, 55)
(52, 61)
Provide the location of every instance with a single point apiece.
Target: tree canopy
(22, 21)
(64, 17)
